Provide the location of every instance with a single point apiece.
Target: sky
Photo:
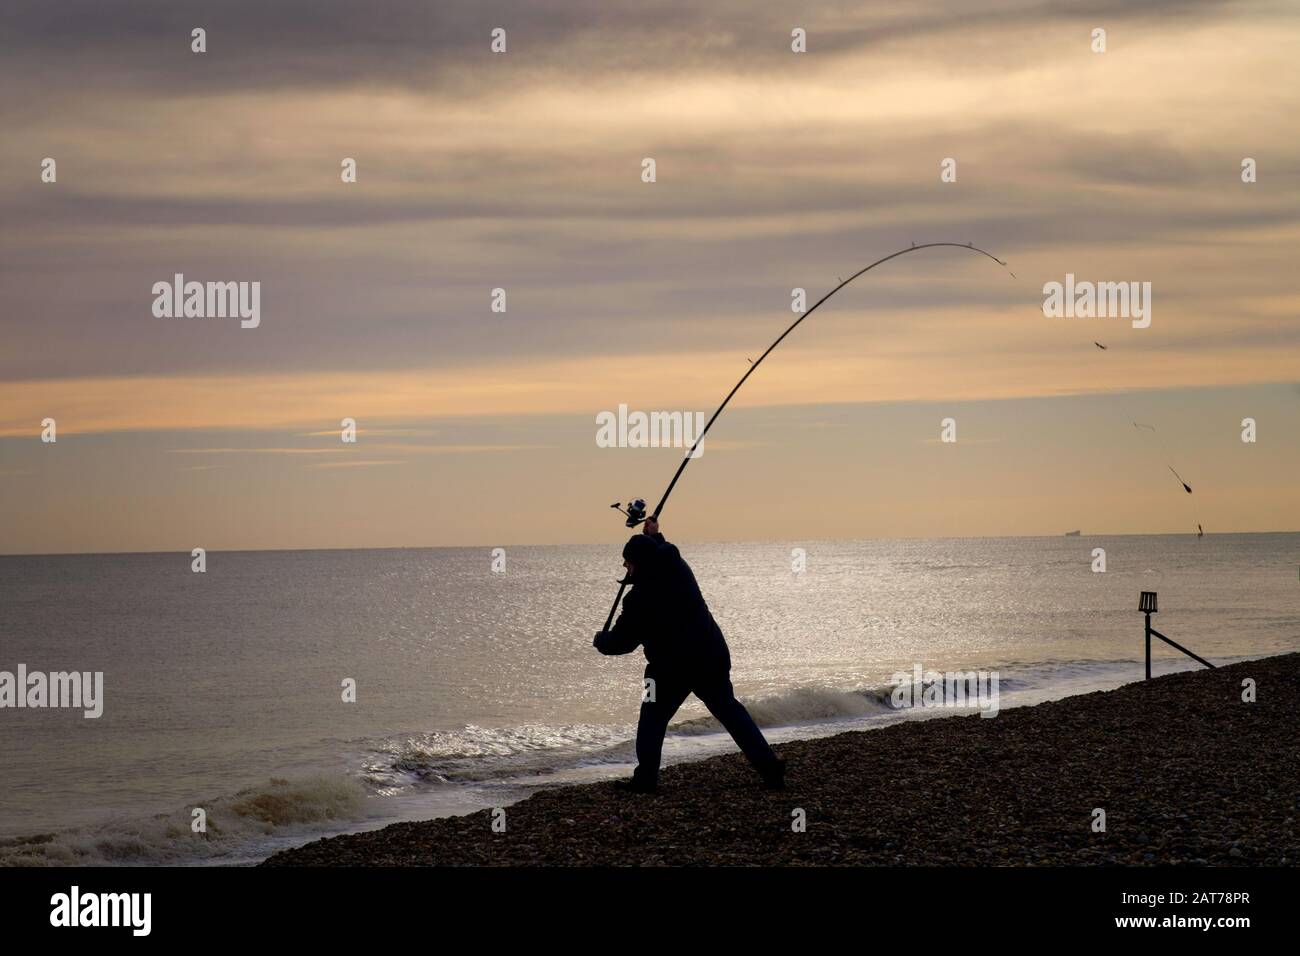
(523, 171)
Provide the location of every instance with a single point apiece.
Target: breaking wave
(235, 827)
(484, 754)
(803, 705)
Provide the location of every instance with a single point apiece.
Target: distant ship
(1072, 534)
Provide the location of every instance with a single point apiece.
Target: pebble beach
(1185, 770)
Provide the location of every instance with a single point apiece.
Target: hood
(643, 552)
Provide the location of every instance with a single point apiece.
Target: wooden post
(1147, 605)
(1148, 647)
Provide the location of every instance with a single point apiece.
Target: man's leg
(718, 696)
(650, 729)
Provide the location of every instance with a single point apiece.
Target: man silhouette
(685, 653)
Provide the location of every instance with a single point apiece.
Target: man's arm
(651, 528)
(628, 631)
(666, 548)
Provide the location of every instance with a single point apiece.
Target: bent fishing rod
(635, 511)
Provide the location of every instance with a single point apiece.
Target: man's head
(639, 551)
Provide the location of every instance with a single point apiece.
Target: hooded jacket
(666, 614)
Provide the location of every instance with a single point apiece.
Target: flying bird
(1100, 346)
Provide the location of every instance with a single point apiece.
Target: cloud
(581, 387)
(522, 171)
(378, 433)
(256, 451)
(316, 44)
(366, 463)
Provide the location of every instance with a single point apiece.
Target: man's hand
(651, 526)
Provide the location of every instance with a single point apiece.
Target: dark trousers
(716, 693)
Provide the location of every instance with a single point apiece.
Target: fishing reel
(635, 511)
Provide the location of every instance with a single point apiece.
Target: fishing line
(1168, 460)
(1167, 457)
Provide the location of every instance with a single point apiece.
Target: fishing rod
(635, 511)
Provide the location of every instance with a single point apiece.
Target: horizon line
(593, 544)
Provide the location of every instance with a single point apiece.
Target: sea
(280, 696)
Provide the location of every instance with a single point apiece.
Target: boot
(636, 784)
(774, 775)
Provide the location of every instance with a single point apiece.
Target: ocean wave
(802, 705)
(234, 825)
(476, 754)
